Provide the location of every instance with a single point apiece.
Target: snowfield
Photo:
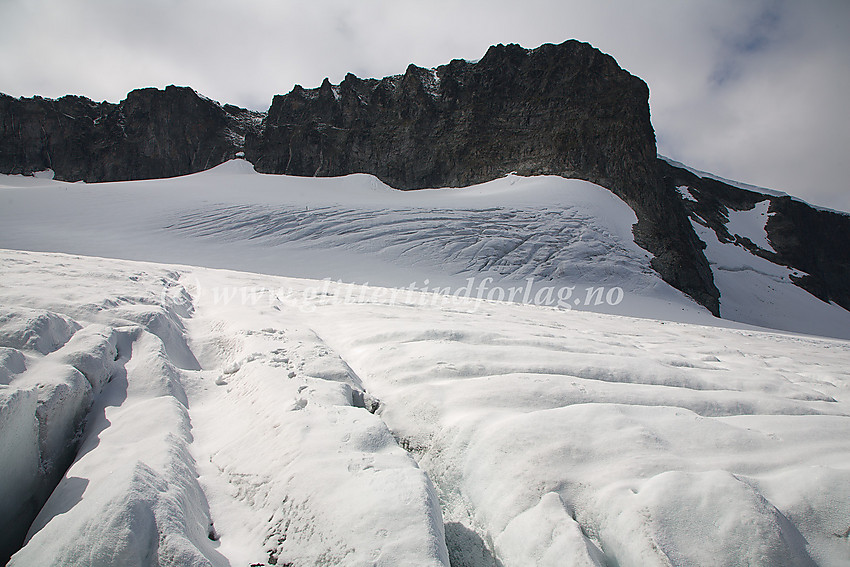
(171, 412)
(532, 234)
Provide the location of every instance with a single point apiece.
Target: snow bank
(39, 330)
(700, 518)
(19, 465)
(548, 536)
(166, 325)
(57, 369)
(399, 431)
(300, 471)
(295, 463)
(93, 351)
(51, 396)
(12, 362)
(134, 484)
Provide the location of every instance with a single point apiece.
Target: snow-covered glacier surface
(208, 417)
(554, 241)
(199, 434)
(514, 387)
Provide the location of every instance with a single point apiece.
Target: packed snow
(750, 225)
(174, 411)
(685, 192)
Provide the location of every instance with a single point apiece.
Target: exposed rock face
(148, 135)
(566, 110)
(810, 240)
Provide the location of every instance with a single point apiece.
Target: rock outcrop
(561, 109)
(150, 134)
(809, 240)
(565, 109)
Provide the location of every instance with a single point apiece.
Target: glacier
(231, 368)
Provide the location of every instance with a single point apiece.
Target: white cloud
(749, 90)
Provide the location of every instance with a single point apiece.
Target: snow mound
(547, 535)
(32, 329)
(735, 524)
(585, 439)
(12, 362)
(49, 397)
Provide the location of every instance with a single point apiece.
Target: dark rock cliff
(812, 241)
(565, 110)
(150, 134)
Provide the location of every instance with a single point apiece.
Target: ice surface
(502, 433)
(19, 465)
(561, 233)
(41, 331)
(236, 418)
(12, 362)
(649, 442)
(132, 496)
(313, 476)
(547, 535)
(50, 396)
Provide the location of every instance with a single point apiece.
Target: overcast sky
(752, 90)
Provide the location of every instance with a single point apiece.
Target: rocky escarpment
(565, 109)
(150, 134)
(562, 109)
(809, 240)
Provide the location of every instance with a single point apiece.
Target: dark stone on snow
(565, 110)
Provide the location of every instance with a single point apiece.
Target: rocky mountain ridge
(565, 110)
(151, 134)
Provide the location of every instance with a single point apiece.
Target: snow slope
(516, 386)
(543, 235)
(236, 427)
(266, 427)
